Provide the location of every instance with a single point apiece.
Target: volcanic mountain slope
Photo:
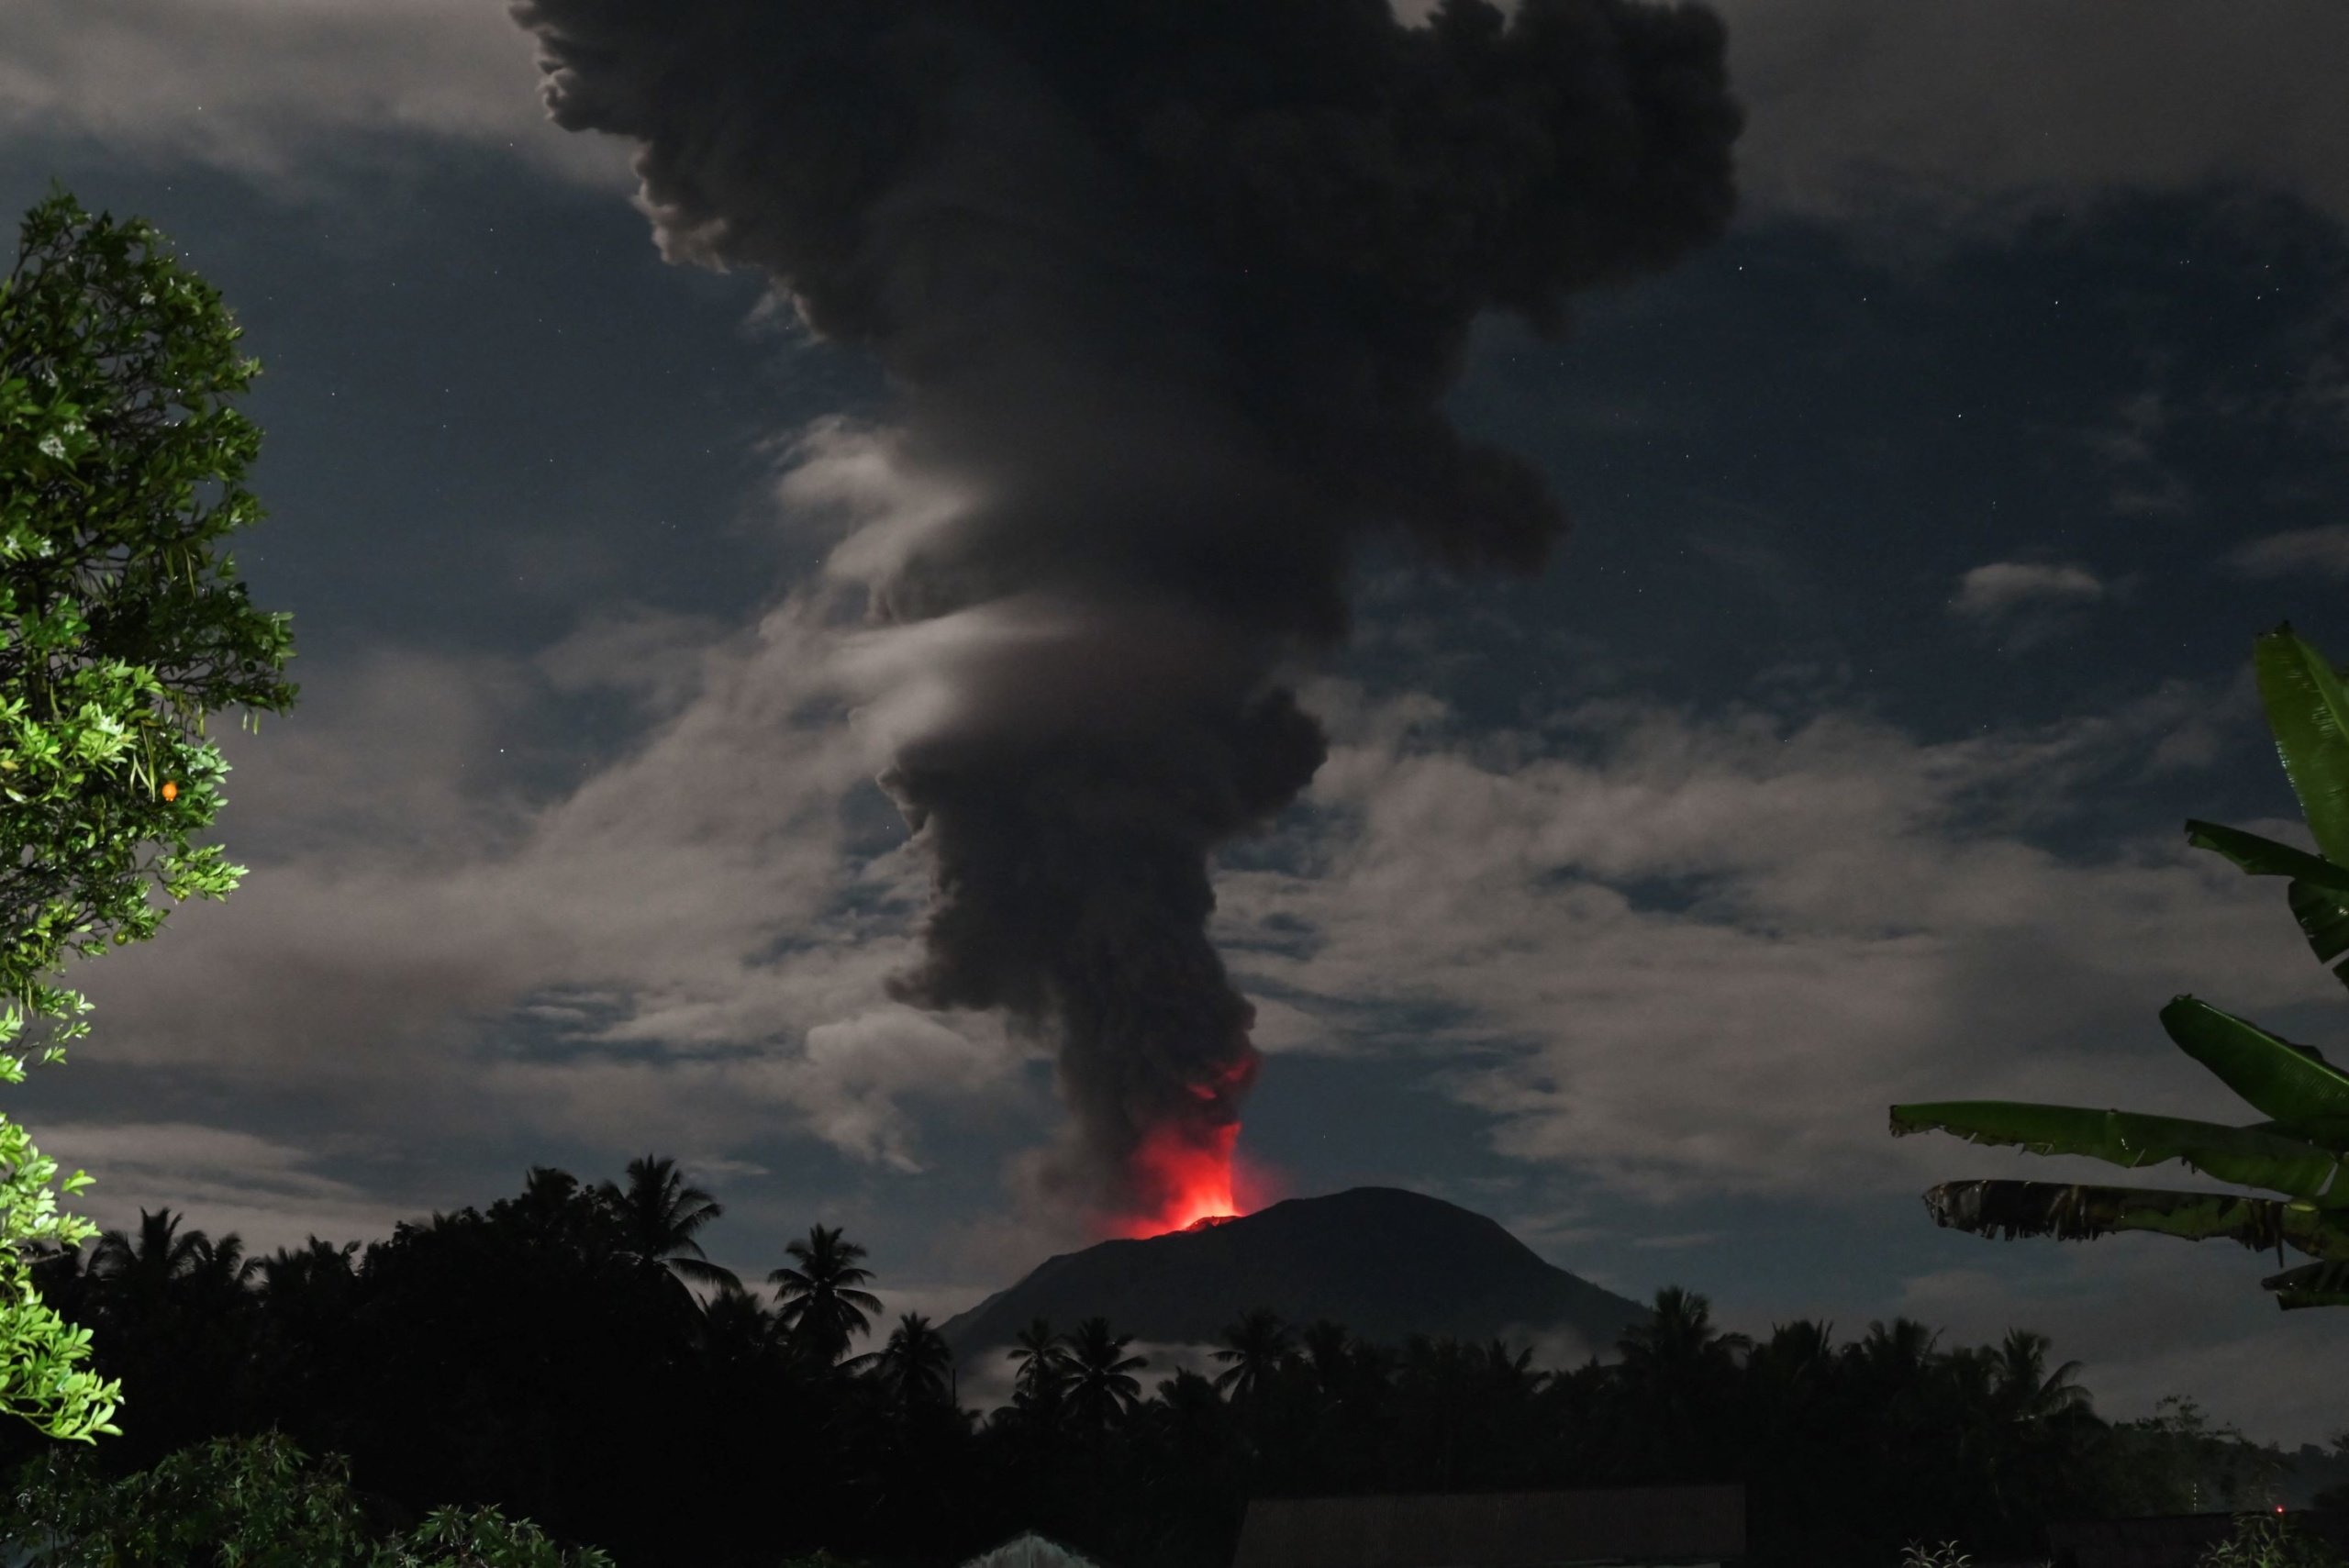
(1385, 1262)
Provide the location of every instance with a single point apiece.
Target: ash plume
(1172, 292)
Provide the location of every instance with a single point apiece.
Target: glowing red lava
(1188, 1173)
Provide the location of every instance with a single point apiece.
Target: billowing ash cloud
(1172, 290)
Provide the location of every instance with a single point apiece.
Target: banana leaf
(2324, 919)
(2073, 1213)
(2319, 892)
(2293, 1083)
(2255, 855)
(2309, 711)
(2313, 1285)
(2252, 1156)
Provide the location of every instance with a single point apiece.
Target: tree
(916, 1367)
(123, 626)
(822, 1306)
(258, 1501)
(1042, 1355)
(1253, 1349)
(658, 1216)
(2299, 1151)
(1101, 1385)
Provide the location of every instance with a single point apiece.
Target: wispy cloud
(2321, 551)
(2002, 587)
(264, 86)
(1686, 954)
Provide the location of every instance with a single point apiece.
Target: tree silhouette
(139, 1270)
(658, 1216)
(1042, 1355)
(916, 1366)
(1253, 1349)
(1101, 1387)
(822, 1308)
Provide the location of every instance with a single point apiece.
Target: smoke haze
(1172, 292)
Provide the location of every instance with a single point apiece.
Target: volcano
(1386, 1263)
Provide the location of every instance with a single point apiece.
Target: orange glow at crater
(1187, 1174)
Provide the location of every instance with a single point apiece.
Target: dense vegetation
(123, 627)
(547, 1356)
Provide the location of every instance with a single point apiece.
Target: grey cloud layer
(1683, 953)
(253, 84)
(1977, 99)
(1700, 954)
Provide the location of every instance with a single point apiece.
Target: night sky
(1920, 528)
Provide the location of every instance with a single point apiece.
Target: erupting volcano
(1188, 1183)
(1172, 292)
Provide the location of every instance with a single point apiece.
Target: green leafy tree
(2299, 1151)
(122, 625)
(254, 1503)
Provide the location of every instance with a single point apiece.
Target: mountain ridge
(1385, 1262)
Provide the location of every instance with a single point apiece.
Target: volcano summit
(1386, 1263)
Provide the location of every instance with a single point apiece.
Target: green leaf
(2323, 918)
(2308, 711)
(2291, 1084)
(2070, 1212)
(2314, 1284)
(2248, 1155)
(2258, 856)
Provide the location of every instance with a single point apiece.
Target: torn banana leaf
(2070, 1212)
(2257, 856)
(2312, 1285)
(2252, 1156)
(2309, 711)
(2323, 916)
(2292, 1084)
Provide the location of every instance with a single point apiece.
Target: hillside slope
(1385, 1262)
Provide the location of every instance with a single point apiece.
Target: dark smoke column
(1172, 290)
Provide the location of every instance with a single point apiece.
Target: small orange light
(171, 790)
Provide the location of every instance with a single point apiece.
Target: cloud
(2024, 604)
(260, 1188)
(689, 946)
(1984, 102)
(2321, 552)
(1975, 102)
(1683, 954)
(264, 86)
(2003, 586)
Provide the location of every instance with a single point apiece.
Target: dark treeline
(569, 1355)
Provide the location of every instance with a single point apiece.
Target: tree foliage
(2301, 1149)
(522, 1356)
(122, 625)
(255, 1503)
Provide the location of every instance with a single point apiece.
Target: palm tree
(2027, 1392)
(1101, 1387)
(822, 1308)
(916, 1367)
(1512, 1377)
(1254, 1349)
(138, 1273)
(658, 1216)
(735, 1324)
(1677, 1340)
(1042, 1358)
